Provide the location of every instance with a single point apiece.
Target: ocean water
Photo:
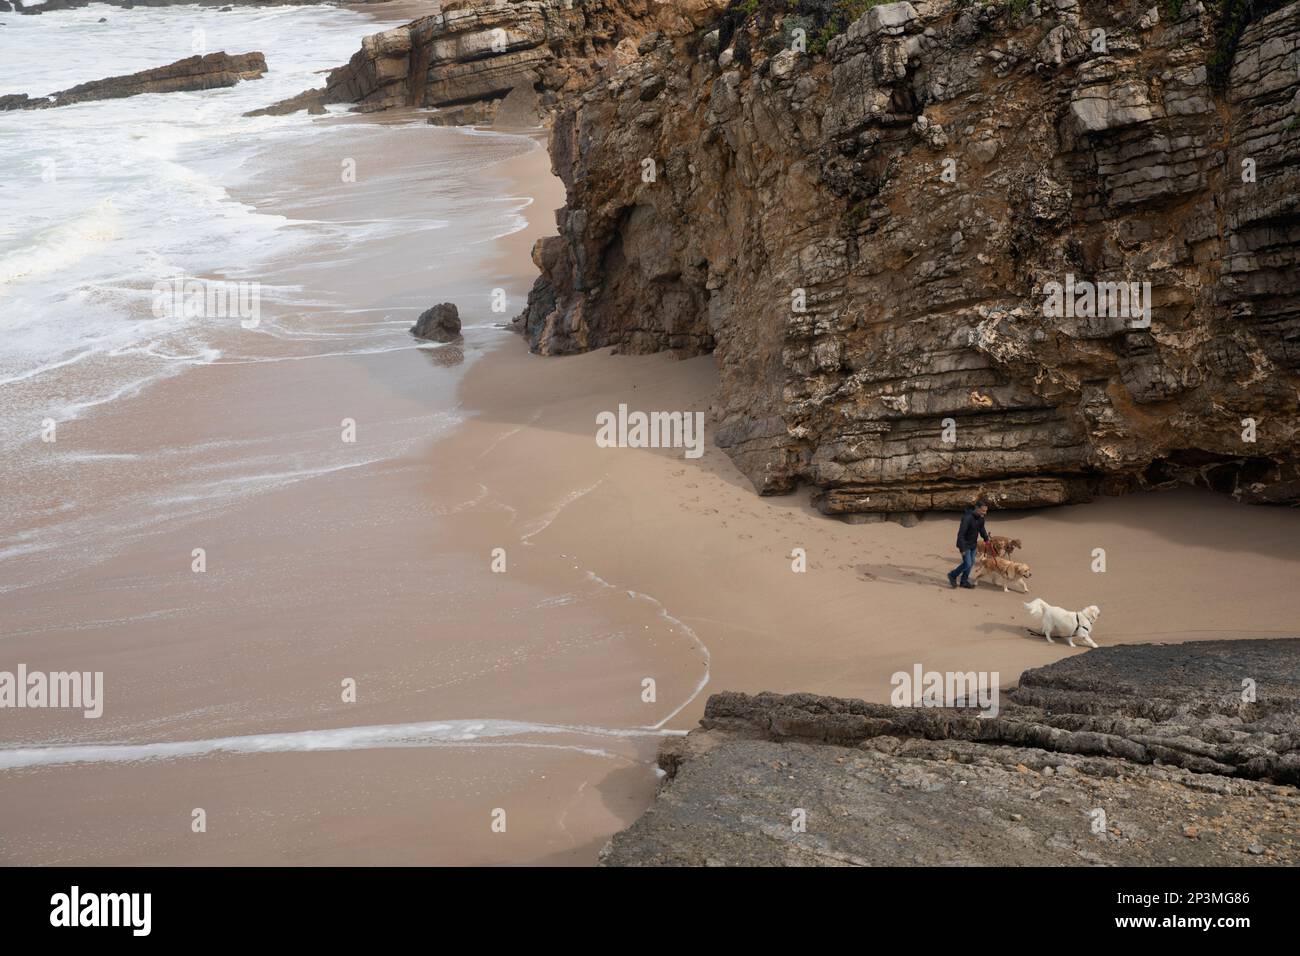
(103, 200)
(218, 430)
(122, 218)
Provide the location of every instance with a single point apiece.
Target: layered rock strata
(466, 60)
(1182, 754)
(862, 211)
(864, 231)
(207, 72)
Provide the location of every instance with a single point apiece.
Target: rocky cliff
(467, 59)
(861, 216)
(1133, 755)
(872, 215)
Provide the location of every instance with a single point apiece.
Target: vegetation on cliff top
(1231, 17)
(823, 20)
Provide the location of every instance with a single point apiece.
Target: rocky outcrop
(313, 101)
(192, 73)
(439, 324)
(470, 57)
(1143, 754)
(863, 221)
(873, 221)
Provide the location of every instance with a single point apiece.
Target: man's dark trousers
(967, 562)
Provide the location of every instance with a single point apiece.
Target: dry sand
(1182, 565)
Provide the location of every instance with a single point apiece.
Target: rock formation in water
(1134, 755)
(864, 212)
(313, 101)
(439, 324)
(192, 73)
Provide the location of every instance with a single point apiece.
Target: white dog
(1063, 623)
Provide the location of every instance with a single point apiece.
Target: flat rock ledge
(1154, 754)
(207, 72)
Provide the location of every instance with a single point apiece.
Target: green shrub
(1231, 17)
(823, 20)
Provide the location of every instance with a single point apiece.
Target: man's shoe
(967, 584)
(952, 580)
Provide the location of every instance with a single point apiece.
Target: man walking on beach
(968, 535)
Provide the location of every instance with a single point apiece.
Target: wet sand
(326, 561)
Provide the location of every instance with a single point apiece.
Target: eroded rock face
(1141, 754)
(865, 239)
(467, 59)
(192, 73)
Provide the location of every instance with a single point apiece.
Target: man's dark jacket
(971, 530)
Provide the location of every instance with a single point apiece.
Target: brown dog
(1002, 571)
(997, 546)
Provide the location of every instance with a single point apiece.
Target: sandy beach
(326, 562)
(1182, 565)
(620, 565)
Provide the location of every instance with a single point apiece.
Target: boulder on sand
(439, 324)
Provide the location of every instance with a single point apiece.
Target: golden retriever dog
(997, 546)
(1001, 571)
